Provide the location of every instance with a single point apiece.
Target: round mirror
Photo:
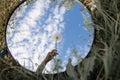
(37, 27)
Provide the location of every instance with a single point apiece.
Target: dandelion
(57, 38)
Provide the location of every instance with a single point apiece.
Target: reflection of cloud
(39, 43)
(36, 29)
(68, 52)
(82, 51)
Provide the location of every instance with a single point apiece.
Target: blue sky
(34, 28)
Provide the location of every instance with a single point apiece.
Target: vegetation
(102, 63)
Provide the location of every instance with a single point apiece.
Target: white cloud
(40, 42)
(53, 25)
(49, 28)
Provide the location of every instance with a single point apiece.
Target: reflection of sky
(34, 28)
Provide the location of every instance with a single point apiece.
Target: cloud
(34, 40)
(39, 43)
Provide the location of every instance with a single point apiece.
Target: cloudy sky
(31, 31)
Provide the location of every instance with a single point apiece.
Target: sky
(32, 29)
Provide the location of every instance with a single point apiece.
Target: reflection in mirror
(39, 26)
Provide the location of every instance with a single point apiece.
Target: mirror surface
(33, 27)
